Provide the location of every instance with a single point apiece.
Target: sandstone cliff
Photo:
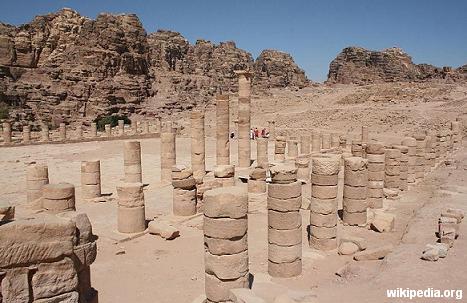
(66, 67)
(358, 65)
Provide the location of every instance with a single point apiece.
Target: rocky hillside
(360, 66)
(66, 67)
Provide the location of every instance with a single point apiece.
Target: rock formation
(360, 66)
(64, 67)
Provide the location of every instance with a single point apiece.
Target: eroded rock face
(358, 65)
(64, 67)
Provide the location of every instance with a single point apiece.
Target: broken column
(225, 175)
(323, 206)
(305, 144)
(272, 129)
(302, 163)
(225, 242)
(376, 159)
(279, 148)
(257, 181)
(285, 222)
(93, 130)
(443, 144)
(335, 140)
(357, 149)
(222, 130)
(292, 149)
(108, 130)
(44, 132)
(132, 162)
(198, 146)
(62, 131)
(316, 141)
(355, 191)
(184, 191)
(326, 141)
(392, 168)
(57, 198)
(26, 134)
(37, 175)
(168, 156)
(91, 179)
(404, 166)
(244, 99)
(6, 132)
(411, 144)
(131, 213)
(420, 159)
(121, 127)
(262, 153)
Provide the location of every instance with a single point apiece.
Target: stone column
(132, 162)
(392, 168)
(225, 175)
(244, 95)
(355, 191)
(168, 155)
(305, 144)
(430, 154)
(6, 132)
(26, 134)
(225, 242)
(411, 145)
(357, 149)
(198, 156)
(279, 148)
(257, 181)
(57, 198)
(262, 153)
(365, 134)
(285, 222)
(145, 125)
(121, 128)
(222, 130)
(62, 132)
(404, 166)
(93, 130)
(91, 179)
(420, 160)
(184, 191)
(323, 206)
(376, 171)
(272, 129)
(335, 140)
(44, 132)
(326, 141)
(292, 149)
(37, 175)
(316, 141)
(167, 127)
(131, 216)
(343, 141)
(302, 163)
(108, 130)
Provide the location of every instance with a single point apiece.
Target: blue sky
(313, 32)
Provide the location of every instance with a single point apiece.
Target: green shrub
(112, 120)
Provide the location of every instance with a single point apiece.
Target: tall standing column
(91, 179)
(26, 134)
(6, 132)
(93, 130)
(62, 131)
(323, 207)
(305, 144)
(222, 130)
(121, 127)
(44, 132)
(132, 162)
(279, 148)
(262, 153)
(168, 155)
(225, 241)
(37, 175)
(198, 160)
(131, 217)
(355, 191)
(272, 129)
(285, 222)
(244, 100)
(376, 159)
(316, 141)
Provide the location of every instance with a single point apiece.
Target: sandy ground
(150, 269)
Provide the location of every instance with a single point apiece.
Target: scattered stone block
(382, 222)
(347, 248)
(244, 295)
(374, 253)
(360, 242)
(431, 254)
(164, 230)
